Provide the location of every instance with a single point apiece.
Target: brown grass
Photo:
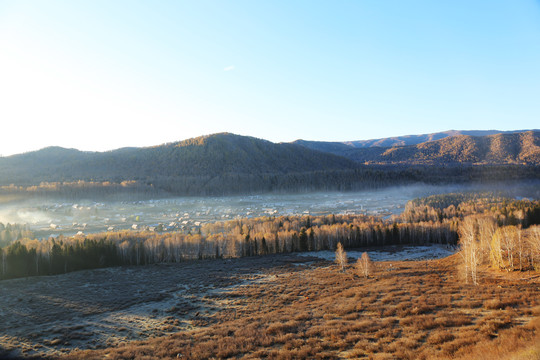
(318, 312)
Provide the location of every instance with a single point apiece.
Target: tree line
(155, 184)
(494, 231)
(425, 221)
(12, 232)
(231, 239)
(485, 242)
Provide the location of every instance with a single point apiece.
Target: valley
(208, 180)
(157, 253)
(51, 217)
(419, 299)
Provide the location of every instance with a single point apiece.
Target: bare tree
(364, 265)
(508, 245)
(486, 228)
(534, 244)
(520, 247)
(495, 254)
(469, 248)
(341, 257)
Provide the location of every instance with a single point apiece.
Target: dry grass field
(404, 310)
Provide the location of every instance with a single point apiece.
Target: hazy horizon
(203, 135)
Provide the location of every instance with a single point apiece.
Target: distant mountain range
(227, 163)
(398, 140)
(451, 148)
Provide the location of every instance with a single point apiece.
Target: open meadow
(278, 306)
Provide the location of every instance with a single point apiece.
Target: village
(54, 217)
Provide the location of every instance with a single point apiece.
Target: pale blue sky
(99, 75)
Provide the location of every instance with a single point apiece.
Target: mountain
(339, 148)
(503, 148)
(418, 139)
(225, 163)
(207, 155)
(193, 163)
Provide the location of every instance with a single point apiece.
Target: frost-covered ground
(392, 253)
(90, 309)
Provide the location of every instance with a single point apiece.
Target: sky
(99, 75)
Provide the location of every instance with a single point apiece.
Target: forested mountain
(340, 148)
(337, 148)
(208, 155)
(210, 162)
(508, 148)
(231, 164)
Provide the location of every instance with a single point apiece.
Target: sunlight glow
(101, 75)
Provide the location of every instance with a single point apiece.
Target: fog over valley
(48, 216)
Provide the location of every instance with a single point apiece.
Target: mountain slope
(339, 148)
(507, 148)
(223, 164)
(336, 148)
(418, 139)
(212, 155)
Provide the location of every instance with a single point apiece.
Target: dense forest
(372, 177)
(192, 159)
(508, 227)
(225, 164)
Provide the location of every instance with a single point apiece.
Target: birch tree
(341, 257)
(469, 248)
(363, 265)
(534, 244)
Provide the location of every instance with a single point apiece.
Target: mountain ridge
(404, 140)
(202, 156)
(498, 149)
(329, 146)
(226, 163)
